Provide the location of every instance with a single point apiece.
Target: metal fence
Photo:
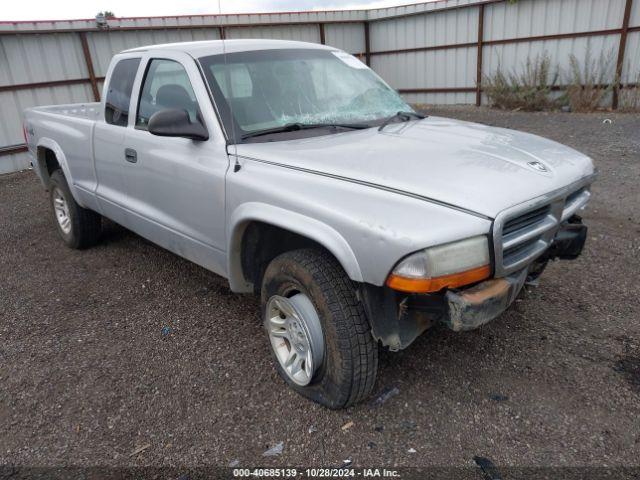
(435, 52)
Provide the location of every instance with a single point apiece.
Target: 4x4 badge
(538, 166)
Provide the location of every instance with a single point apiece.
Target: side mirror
(174, 122)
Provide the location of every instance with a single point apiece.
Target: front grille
(519, 250)
(526, 220)
(522, 236)
(575, 201)
(571, 198)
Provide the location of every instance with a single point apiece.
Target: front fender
(292, 221)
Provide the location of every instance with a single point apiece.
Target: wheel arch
(48, 155)
(297, 229)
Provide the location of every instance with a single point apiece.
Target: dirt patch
(629, 367)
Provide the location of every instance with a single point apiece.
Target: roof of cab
(213, 47)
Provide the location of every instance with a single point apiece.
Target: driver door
(176, 186)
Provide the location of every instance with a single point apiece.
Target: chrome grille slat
(522, 221)
(524, 232)
(536, 249)
(531, 231)
(575, 202)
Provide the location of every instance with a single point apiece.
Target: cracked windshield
(269, 89)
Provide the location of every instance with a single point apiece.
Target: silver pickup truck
(298, 174)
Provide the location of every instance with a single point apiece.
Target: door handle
(130, 155)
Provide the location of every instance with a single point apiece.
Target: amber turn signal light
(429, 285)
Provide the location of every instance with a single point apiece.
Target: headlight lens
(450, 265)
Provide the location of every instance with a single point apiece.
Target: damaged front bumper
(470, 308)
(397, 319)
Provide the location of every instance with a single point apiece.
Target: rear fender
(41, 164)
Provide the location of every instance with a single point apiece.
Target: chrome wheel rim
(296, 336)
(61, 210)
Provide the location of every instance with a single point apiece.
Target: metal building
(435, 52)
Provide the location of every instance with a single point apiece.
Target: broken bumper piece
(475, 306)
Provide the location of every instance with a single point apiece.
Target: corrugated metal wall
(347, 36)
(26, 59)
(103, 45)
(429, 51)
(547, 18)
(428, 69)
(631, 69)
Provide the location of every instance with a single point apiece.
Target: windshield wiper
(292, 127)
(404, 116)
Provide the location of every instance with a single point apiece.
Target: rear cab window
(116, 109)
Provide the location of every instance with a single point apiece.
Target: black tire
(348, 372)
(86, 225)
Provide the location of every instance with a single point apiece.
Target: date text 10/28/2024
(315, 473)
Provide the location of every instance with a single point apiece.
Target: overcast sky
(54, 10)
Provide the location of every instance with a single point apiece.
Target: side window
(116, 110)
(166, 85)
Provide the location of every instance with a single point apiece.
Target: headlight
(450, 265)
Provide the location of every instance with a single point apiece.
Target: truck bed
(68, 131)
(82, 110)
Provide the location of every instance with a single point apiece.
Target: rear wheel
(319, 335)
(78, 227)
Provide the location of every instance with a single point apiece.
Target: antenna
(236, 166)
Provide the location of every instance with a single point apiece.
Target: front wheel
(319, 334)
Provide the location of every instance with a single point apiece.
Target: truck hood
(475, 167)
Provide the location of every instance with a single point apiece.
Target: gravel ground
(88, 375)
